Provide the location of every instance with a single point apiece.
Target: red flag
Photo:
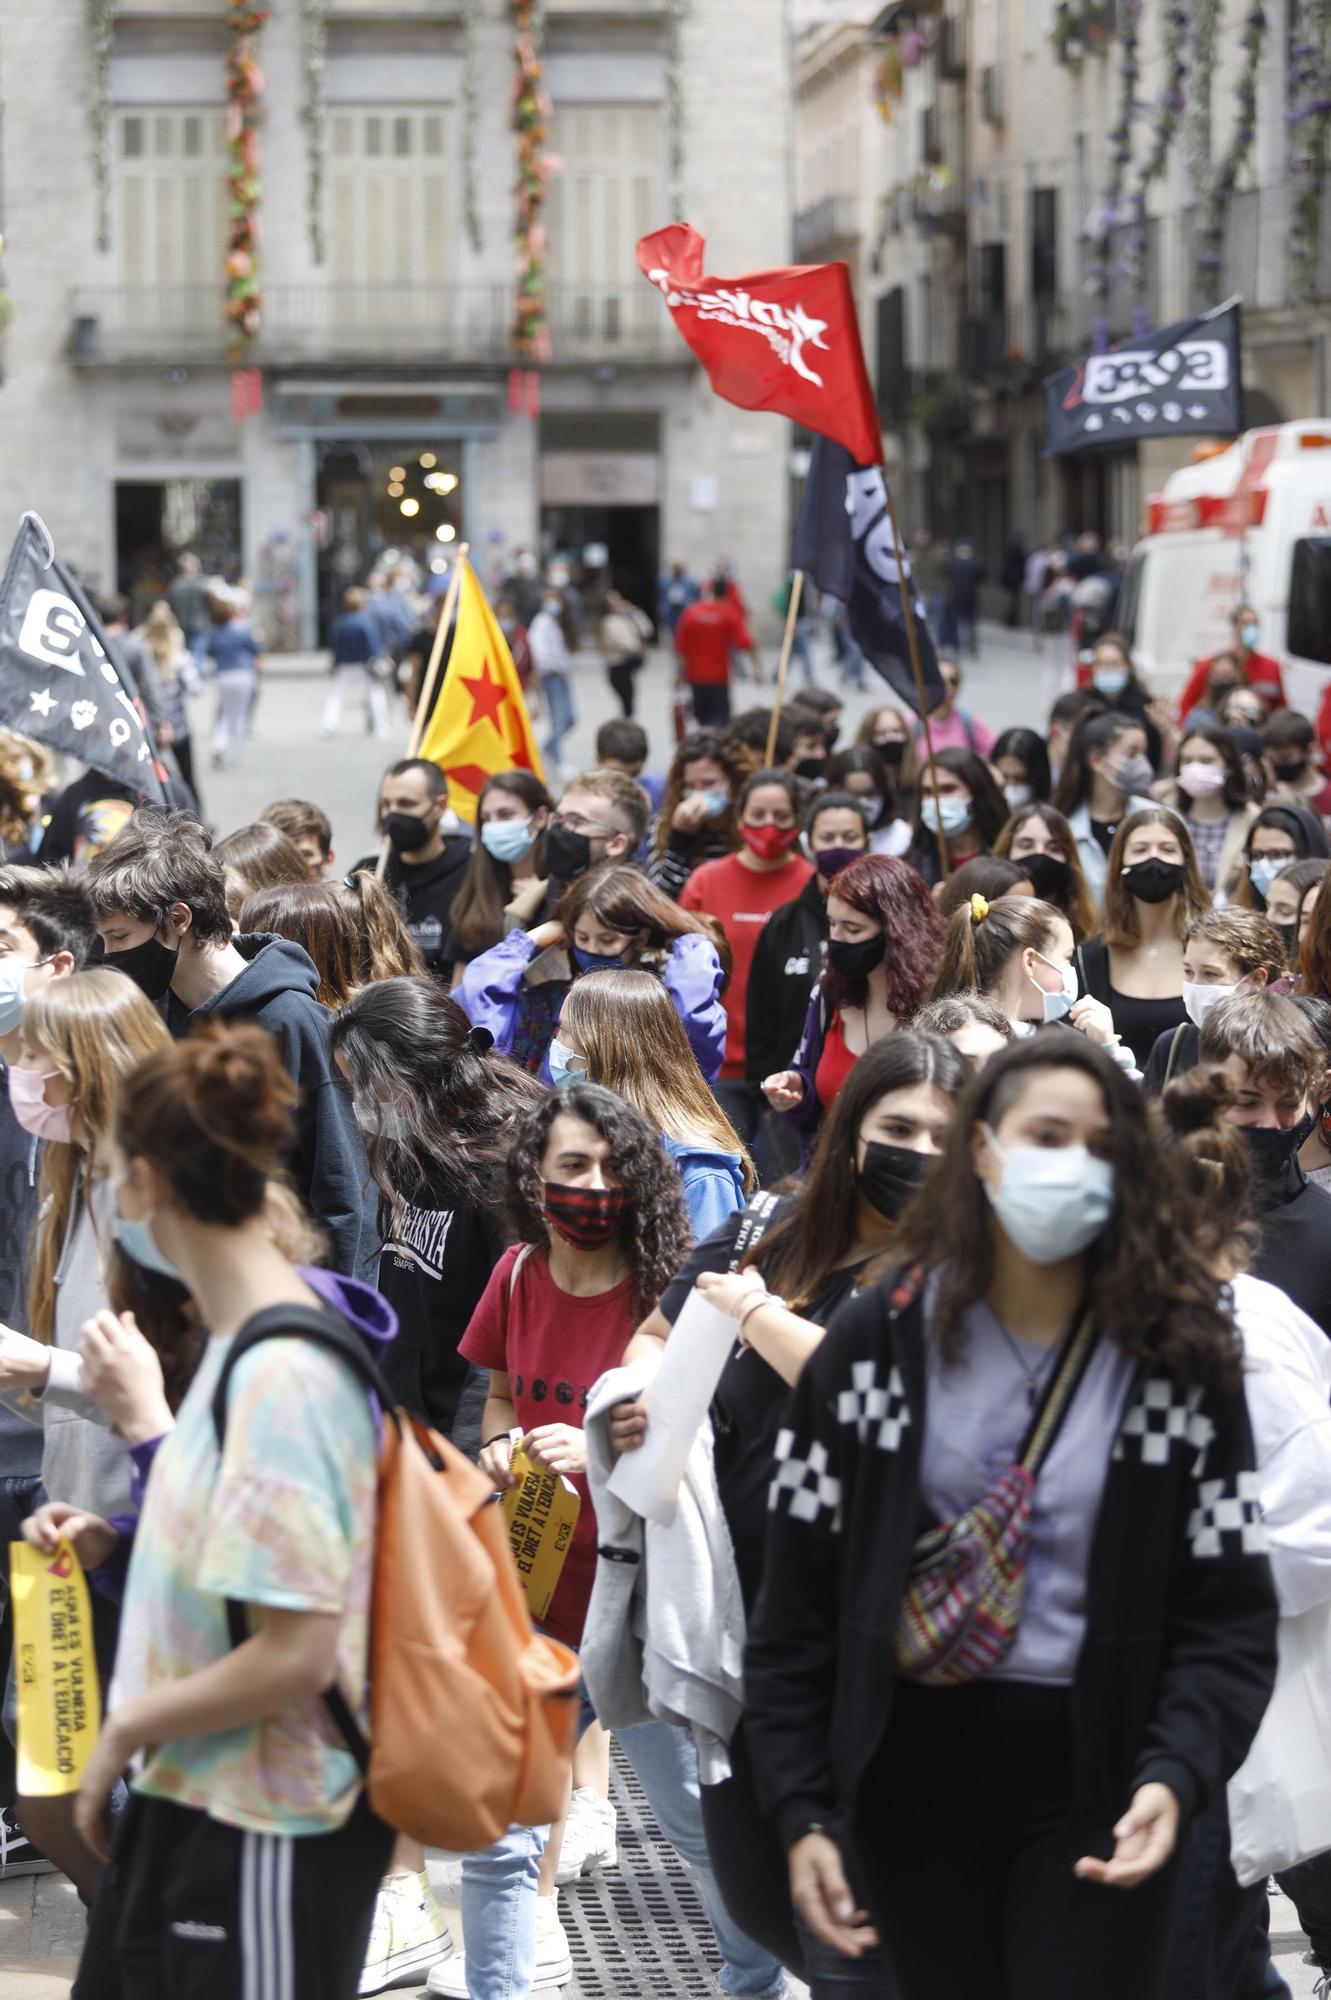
(784, 340)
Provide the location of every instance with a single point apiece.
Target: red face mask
(769, 843)
(585, 1217)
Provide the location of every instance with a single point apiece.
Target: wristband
(487, 1442)
(759, 1299)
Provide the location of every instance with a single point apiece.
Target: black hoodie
(277, 991)
(786, 963)
(425, 892)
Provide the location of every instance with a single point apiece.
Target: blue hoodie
(713, 1183)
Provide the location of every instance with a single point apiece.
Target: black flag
(1175, 381)
(844, 544)
(57, 680)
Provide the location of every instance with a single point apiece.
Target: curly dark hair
(891, 893)
(1148, 1283)
(734, 761)
(655, 1234)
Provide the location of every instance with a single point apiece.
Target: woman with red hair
(884, 940)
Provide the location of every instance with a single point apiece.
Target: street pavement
(41, 1922)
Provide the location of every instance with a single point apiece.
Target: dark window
(1308, 634)
(893, 390)
(1044, 242)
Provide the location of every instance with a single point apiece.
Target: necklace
(1033, 1376)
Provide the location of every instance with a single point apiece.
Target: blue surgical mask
(716, 802)
(1250, 634)
(508, 839)
(595, 961)
(1056, 1005)
(1110, 680)
(565, 1063)
(1054, 1200)
(137, 1241)
(11, 994)
(1263, 872)
(955, 815)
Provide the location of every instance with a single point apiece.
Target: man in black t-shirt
(426, 865)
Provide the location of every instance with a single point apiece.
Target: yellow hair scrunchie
(979, 909)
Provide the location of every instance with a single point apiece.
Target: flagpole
(426, 696)
(912, 647)
(787, 642)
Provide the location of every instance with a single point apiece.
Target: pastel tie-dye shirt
(286, 1519)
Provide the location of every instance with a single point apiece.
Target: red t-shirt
(706, 636)
(552, 1346)
(834, 1064)
(741, 899)
(1263, 672)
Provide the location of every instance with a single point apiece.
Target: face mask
(1272, 1149)
(380, 1119)
(406, 831)
(11, 994)
(1153, 881)
(508, 839)
(567, 854)
(27, 1096)
(809, 767)
(1054, 1201)
(565, 1063)
(1056, 1005)
(953, 814)
(1199, 1000)
(598, 961)
(892, 753)
(1289, 934)
(715, 802)
(1017, 795)
(1134, 774)
(585, 1217)
(830, 861)
(1290, 773)
(1201, 781)
(151, 965)
(769, 843)
(1050, 877)
(872, 808)
(1263, 872)
(856, 961)
(137, 1241)
(1250, 634)
(1110, 680)
(890, 1176)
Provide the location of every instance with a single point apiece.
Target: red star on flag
(487, 696)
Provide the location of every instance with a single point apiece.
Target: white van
(1250, 525)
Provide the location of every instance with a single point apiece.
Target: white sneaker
(409, 1934)
(589, 1836)
(554, 1960)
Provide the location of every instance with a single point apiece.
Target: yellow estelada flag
(480, 723)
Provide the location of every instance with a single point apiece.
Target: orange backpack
(473, 1713)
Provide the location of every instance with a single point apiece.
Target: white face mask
(1199, 1000)
(1017, 796)
(1053, 1200)
(1056, 1005)
(1201, 781)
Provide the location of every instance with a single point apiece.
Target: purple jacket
(373, 1318)
(517, 992)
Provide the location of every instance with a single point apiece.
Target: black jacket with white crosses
(1179, 1655)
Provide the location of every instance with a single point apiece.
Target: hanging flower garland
(1120, 148)
(674, 108)
(1197, 134)
(1309, 116)
(101, 27)
(471, 98)
(1168, 115)
(244, 115)
(531, 116)
(314, 36)
(1209, 247)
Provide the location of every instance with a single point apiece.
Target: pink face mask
(27, 1095)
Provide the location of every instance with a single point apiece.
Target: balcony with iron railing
(825, 226)
(371, 325)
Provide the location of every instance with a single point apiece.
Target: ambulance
(1248, 524)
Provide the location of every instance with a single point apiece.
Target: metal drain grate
(640, 1930)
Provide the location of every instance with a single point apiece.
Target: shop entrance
(629, 536)
(381, 504)
(159, 518)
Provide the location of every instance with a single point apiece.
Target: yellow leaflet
(540, 1514)
(59, 1707)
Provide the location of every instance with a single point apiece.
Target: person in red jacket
(1256, 670)
(707, 635)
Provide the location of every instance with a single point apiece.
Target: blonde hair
(163, 637)
(632, 1041)
(92, 1028)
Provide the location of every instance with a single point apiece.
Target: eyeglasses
(576, 822)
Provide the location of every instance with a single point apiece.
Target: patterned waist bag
(962, 1604)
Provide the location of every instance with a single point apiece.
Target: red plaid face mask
(585, 1217)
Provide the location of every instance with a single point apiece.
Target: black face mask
(856, 961)
(567, 855)
(810, 767)
(1050, 877)
(151, 965)
(407, 832)
(891, 753)
(1153, 881)
(890, 1176)
(1272, 1149)
(1290, 773)
(1289, 936)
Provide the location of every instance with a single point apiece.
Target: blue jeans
(559, 705)
(499, 1914)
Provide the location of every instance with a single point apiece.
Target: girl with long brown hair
(313, 916)
(508, 853)
(1041, 841)
(385, 948)
(619, 1029)
(1153, 891)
